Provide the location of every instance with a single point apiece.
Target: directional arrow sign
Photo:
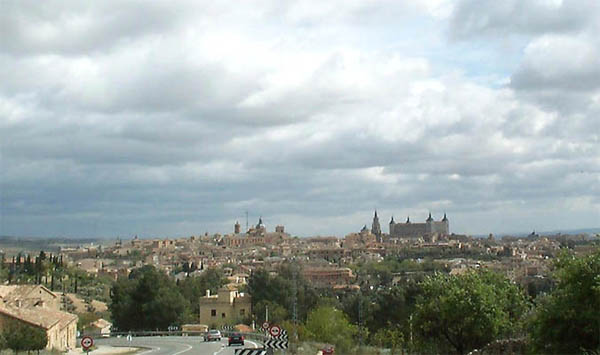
(276, 344)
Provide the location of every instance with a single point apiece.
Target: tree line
(22, 268)
(433, 313)
(19, 336)
(151, 300)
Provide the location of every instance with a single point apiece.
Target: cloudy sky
(162, 118)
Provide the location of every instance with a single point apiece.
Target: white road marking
(223, 347)
(150, 350)
(251, 342)
(182, 351)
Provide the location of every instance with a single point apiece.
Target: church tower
(376, 228)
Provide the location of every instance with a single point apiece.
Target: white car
(212, 335)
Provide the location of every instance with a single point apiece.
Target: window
(242, 312)
(222, 315)
(213, 312)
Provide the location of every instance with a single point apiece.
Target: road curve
(175, 345)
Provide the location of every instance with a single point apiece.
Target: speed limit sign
(87, 342)
(275, 331)
(266, 325)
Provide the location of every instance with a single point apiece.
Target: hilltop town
(76, 280)
(327, 261)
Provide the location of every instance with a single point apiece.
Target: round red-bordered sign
(87, 342)
(266, 325)
(275, 330)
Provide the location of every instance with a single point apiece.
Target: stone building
(227, 307)
(416, 230)
(328, 276)
(256, 235)
(28, 296)
(376, 228)
(39, 307)
(361, 239)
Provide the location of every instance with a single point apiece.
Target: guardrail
(151, 333)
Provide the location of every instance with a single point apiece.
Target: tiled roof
(22, 291)
(31, 316)
(101, 323)
(5, 290)
(18, 300)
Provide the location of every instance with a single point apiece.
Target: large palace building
(415, 230)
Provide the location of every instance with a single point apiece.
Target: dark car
(236, 338)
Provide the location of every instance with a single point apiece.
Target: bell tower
(376, 228)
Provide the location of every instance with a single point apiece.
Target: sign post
(86, 343)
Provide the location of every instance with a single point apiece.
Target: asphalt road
(174, 345)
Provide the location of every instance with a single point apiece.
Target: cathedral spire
(376, 227)
(429, 219)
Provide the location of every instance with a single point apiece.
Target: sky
(164, 118)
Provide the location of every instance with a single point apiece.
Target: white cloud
(173, 119)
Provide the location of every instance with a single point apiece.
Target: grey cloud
(564, 63)
(75, 27)
(127, 128)
(473, 18)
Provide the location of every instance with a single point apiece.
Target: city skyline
(164, 119)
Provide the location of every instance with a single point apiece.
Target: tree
(38, 340)
(466, 312)
(19, 336)
(85, 319)
(192, 288)
(277, 313)
(279, 289)
(330, 325)
(394, 306)
(147, 300)
(567, 320)
(389, 337)
(4, 272)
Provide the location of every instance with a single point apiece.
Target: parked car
(328, 350)
(236, 338)
(213, 335)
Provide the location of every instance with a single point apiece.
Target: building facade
(256, 235)
(227, 307)
(328, 276)
(376, 228)
(416, 230)
(36, 306)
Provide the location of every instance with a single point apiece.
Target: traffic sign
(276, 344)
(275, 330)
(250, 351)
(266, 325)
(87, 342)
